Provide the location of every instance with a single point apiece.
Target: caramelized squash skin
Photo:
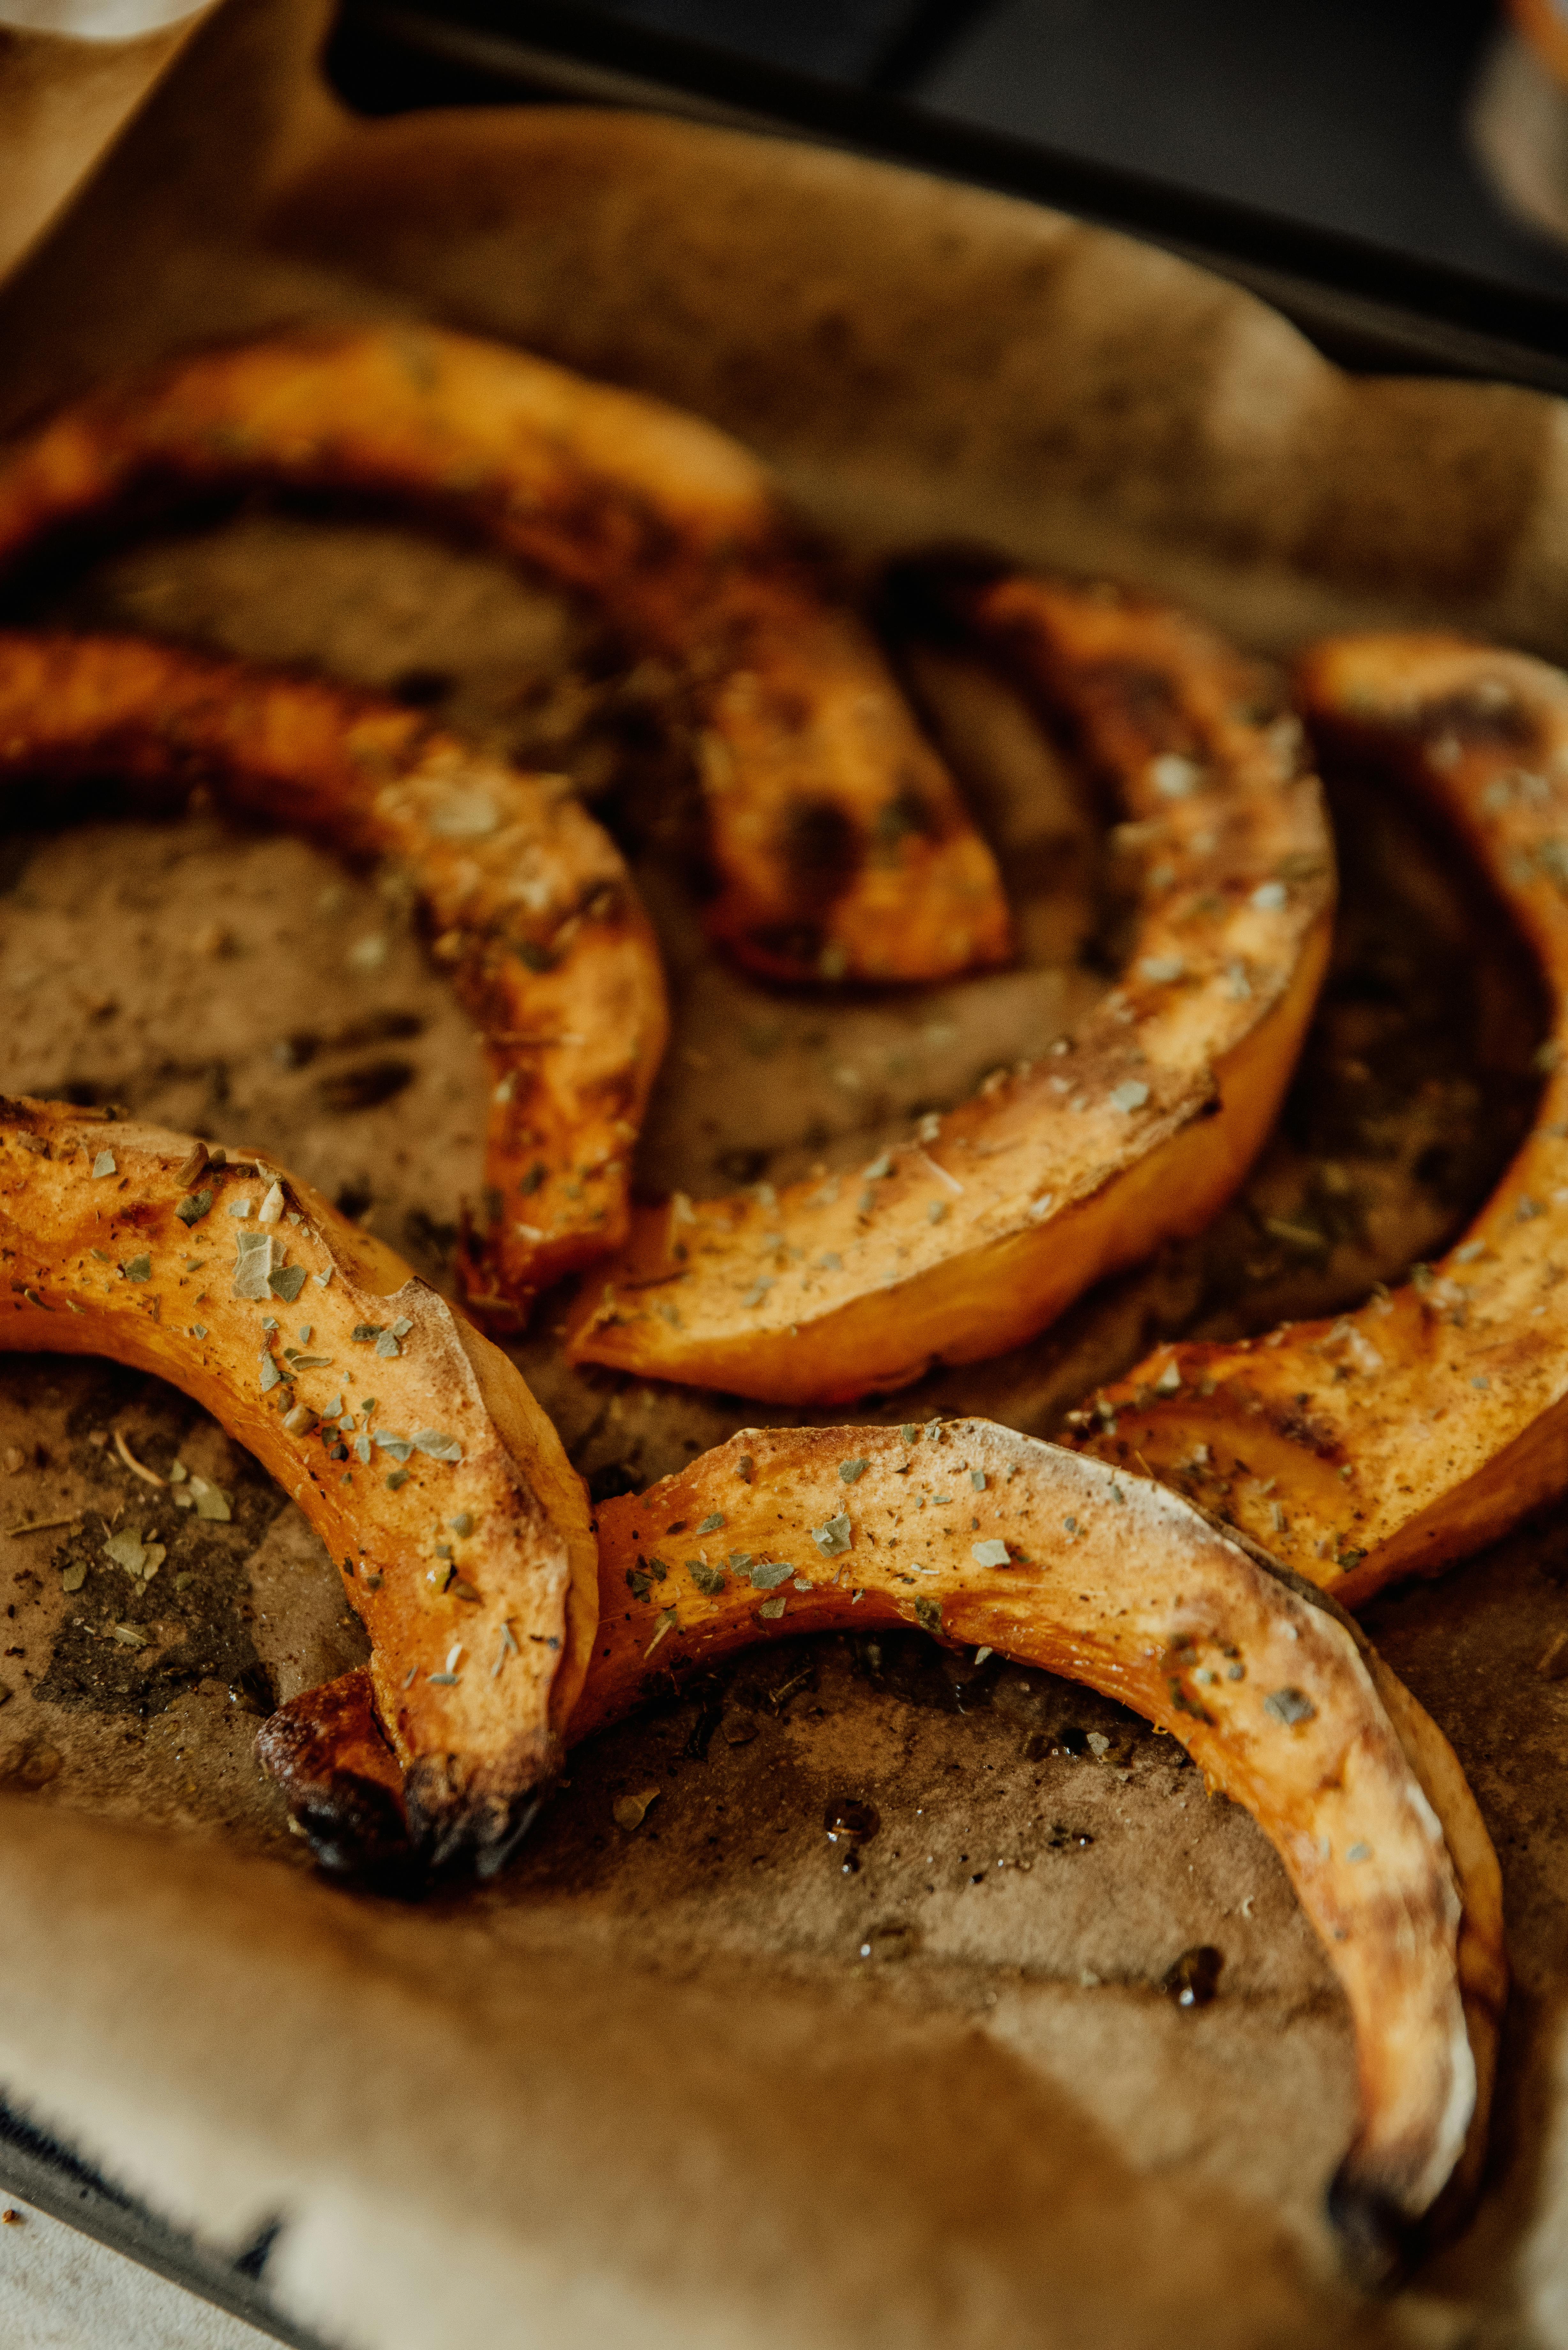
(410, 1443)
(1400, 1438)
(977, 1235)
(840, 846)
(1117, 1584)
(529, 903)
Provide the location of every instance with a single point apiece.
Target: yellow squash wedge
(980, 1232)
(840, 846)
(976, 1535)
(528, 900)
(410, 1443)
(1394, 1440)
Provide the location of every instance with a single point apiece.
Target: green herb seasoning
(1289, 1706)
(211, 1500)
(435, 1444)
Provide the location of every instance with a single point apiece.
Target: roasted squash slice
(840, 846)
(410, 1443)
(975, 1236)
(977, 1535)
(1406, 1435)
(527, 897)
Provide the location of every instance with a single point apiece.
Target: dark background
(1322, 143)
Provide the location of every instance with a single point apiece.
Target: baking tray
(48, 2176)
(1356, 303)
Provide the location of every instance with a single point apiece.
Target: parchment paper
(62, 101)
(697, 2083)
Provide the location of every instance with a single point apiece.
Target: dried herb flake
(1289, 1706)
(439, 1447)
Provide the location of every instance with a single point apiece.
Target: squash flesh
(533, 909)
(1062, 1171)
(1396, 1439)
(840, 845)
(461, 1532)
(1113, 1582)
(1116, 1583)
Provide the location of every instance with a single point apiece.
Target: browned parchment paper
(696, 2084)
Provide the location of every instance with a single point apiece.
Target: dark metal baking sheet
(40, 2172)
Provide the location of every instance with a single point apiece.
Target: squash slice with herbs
(840, 846)
(1399, 1438)
(410, 1443)
(976, 1535)
(530, 905)
(972, 1237)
